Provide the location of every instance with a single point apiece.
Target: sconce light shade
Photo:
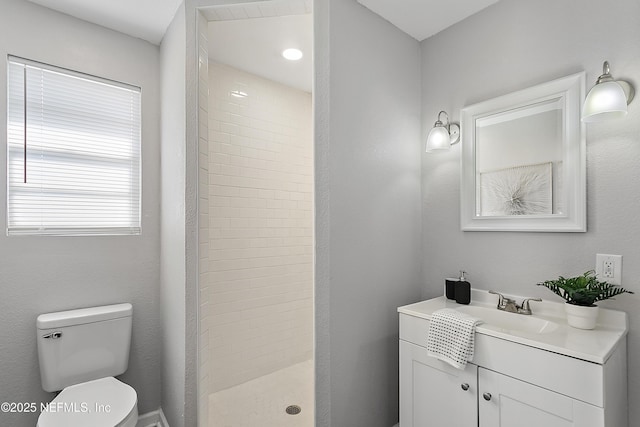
(608, 99)
(438, 139)
(605, 101)
(442, 136)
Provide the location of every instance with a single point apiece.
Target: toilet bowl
(80, 352)
(105, 402)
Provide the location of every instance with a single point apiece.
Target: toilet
(80, 352)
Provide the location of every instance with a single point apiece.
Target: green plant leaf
(583, 290)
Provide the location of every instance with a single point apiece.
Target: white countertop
(591, 345)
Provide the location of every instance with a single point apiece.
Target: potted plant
(581, 293)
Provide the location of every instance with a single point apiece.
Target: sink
(513, 322)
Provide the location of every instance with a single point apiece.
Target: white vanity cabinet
(513, 382)
(508, 402)
(433, 393)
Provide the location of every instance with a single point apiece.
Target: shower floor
(262, 402)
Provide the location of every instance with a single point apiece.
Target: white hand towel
(451, 337)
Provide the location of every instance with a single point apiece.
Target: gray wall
(509, 46)
(368, 210)
(182, 47)
(43, 274)
(172, 248)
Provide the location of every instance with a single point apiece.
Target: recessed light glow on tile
(292, 54)
(239, 94)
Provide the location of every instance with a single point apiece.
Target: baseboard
(152, 419)
(397, 425)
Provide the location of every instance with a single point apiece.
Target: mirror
(523, 160)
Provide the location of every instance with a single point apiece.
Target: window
(73, 153)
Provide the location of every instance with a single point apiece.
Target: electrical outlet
(609, 268)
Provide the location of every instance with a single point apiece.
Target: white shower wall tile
(260, 227)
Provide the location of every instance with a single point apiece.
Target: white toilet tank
(81, 345)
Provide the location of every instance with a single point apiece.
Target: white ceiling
(243, 9)
(251, 34)
(423, 18)
(255, 45)
(145, 19)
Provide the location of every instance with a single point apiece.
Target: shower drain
(293, 410)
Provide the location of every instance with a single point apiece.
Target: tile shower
(258, 292)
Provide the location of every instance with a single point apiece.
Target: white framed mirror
(524, 160)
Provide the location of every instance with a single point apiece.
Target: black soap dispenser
(463, 290)
(450, 288)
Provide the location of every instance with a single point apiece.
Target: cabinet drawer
(414, 329)
(566, 375)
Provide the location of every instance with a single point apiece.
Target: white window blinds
(73, 144)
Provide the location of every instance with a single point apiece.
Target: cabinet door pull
(486, 396)
(465, 386)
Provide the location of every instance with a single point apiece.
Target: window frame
(134, 179)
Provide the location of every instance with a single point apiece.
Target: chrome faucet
(509, 305)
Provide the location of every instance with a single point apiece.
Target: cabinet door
(506, 402)
(433, 393)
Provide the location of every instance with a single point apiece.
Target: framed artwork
(519, 190)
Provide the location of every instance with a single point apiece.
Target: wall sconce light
(608, 99)
(442, 136)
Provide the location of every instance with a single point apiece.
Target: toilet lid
(100, 403)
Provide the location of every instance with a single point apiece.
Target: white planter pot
(581, 317)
